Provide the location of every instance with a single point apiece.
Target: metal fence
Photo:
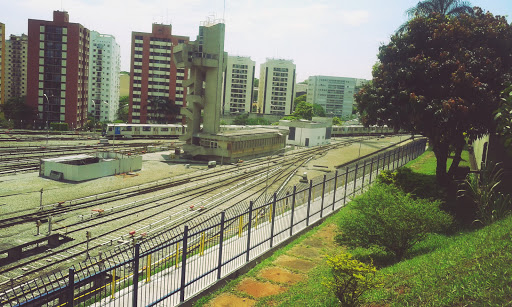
(170, 271)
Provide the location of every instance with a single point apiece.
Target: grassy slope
(470, 268)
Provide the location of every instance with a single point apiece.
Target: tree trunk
(441, 153)
(459, 146)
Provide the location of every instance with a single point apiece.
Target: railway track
(14, 160)
(164, 212)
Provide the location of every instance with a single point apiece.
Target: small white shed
(89, 166)
(308, 133)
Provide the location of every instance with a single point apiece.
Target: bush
(386, 217)
(491, 205)
(59, 126)
(350, 278)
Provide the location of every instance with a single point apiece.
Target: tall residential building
(334, 94)
(104, 68)
(276, 87)
(2, 63)
(156, 85)
(16, 66)
(238, 85)
(58, 69)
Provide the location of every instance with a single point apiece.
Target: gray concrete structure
(206, 60)
(89, 166)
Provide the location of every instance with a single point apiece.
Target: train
(129, 131)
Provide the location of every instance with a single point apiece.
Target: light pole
(268, 169)
(47, 107)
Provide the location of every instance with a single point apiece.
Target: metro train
(128, 131)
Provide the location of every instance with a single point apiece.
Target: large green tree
(18, 111)
(441, 78)
(123, 110)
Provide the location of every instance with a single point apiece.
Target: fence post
(362, 180)
(293, 209)
(371, 171)
(184, 264)
(273, 220)
(71, 287)
(394, 158)
(355, 181)
(383, 160)
(135, 275)
(309, 201)
(335, 187)
(221, 238)
(249, 226)
(346, 184)
(323, 196)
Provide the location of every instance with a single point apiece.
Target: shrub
(59, 126)
(350, 278)
(491, 205)
(386, 217)
(419, 185)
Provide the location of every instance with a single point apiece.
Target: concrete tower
(206, 60)
(16, 66)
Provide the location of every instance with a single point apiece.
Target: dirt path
(286, 270)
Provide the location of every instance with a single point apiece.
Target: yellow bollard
(113, 287)
(240, 226)
(202, 244)
(270, 213)
(177, 253)
(148, 269)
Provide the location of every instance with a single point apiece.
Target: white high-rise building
(334, 94)
(276, 87)
(104, 68)
(16, 66)
(238, 85)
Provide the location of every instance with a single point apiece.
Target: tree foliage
(337, 121)
(503, 117)
(443, 7)
(122, 111)
(17, 110)
(441, 78)
(305, 110)
(163, 111)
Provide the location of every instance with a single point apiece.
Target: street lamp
(268, 169)
(47, 107)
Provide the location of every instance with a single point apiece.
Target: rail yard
(49, 226)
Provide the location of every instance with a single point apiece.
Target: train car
(355, 130)
(128, 131)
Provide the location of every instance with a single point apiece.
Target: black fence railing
(184, 264)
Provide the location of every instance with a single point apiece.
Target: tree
(441, 78)
(299, 99)
(17, 110)
(503, 117)
(122, 111)
(443, 7)
(336, 121)
(163, 110)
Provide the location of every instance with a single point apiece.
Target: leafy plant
(350, 278)
(387, 217)
(491, 205)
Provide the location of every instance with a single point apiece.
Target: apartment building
(238, 85)
(334, 94)
(156, 85)
(276, 87)
(104, 83)
(2, 62)
(58, 70)
(16, 66)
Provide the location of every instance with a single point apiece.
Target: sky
(323, 37)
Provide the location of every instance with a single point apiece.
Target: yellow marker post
(240, 226)
(177, 253)
(148, 269)
(270, 213)
(202, 244)
(113, 286)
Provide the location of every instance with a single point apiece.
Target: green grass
(466, 268)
